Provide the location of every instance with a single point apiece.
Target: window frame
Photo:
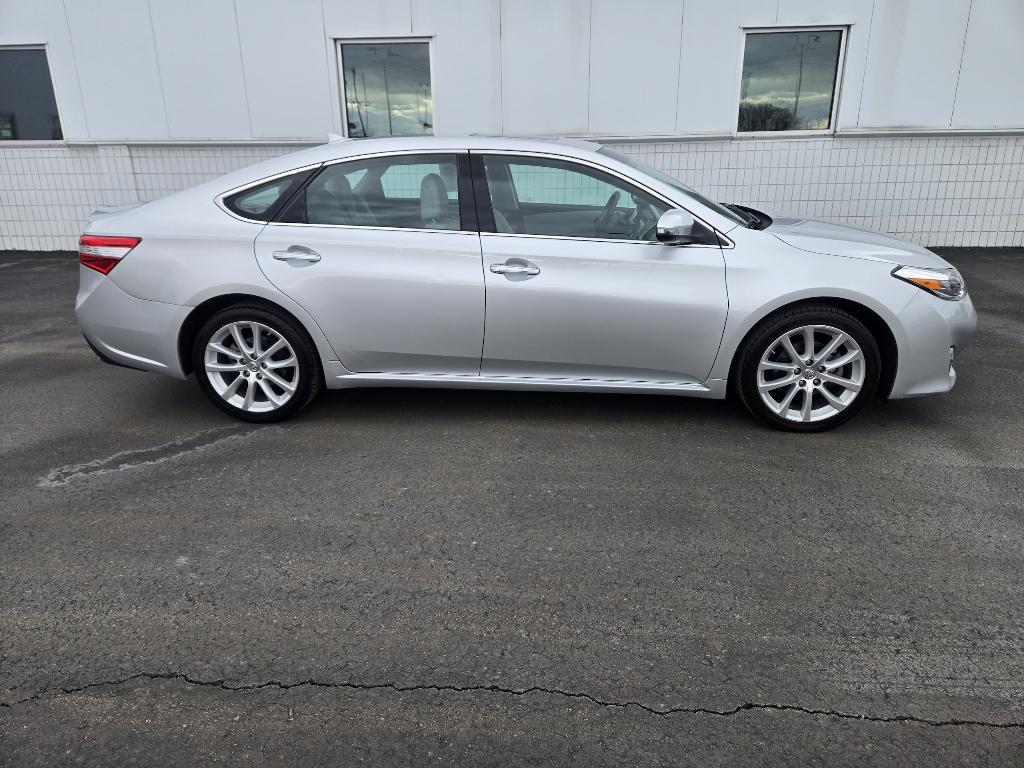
(485, 211)
(340, 62)
(5, 143)
(843, 29)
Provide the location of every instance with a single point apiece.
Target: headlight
(944, 283)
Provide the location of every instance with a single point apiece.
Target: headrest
(338, 185)
(433, 197)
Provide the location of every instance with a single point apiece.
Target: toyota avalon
(510, 264)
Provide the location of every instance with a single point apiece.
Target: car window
(259, 202)
(675, 183)
(539, 196)
(404, 191)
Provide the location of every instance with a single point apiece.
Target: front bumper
(930, 327)
(128, 331)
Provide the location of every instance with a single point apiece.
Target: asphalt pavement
(422, 577)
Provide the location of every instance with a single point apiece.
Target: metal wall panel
(913, 62)
(117, 69)
(989, 91)
(358, 18)
(545, 62)
(284, 56)
(634, 66)
(200, 68)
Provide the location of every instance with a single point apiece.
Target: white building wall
(155, 95)
(210, 105)
(989, 89)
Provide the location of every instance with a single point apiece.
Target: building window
(28, 109)
(387, 88)
(790, 79)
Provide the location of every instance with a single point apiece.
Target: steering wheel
(602, 222)
(644, 222)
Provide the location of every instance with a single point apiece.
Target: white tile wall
(951, 190)
(46, 194)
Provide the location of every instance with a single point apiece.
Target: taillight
(102, 253)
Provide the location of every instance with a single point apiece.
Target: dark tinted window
(406, 191)
(262, 201)
(28, 110)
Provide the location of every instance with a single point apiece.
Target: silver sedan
(510, 264)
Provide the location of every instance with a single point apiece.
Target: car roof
(339, 147)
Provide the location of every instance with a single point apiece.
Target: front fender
(762, 281)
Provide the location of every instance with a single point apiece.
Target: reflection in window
(387, 89)
(28, 109)
(789, 80)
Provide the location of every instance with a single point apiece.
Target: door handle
(514, 269)
(297, 253)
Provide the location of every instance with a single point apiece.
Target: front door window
(540, 196)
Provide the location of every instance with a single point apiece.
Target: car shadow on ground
(470, 407)
(536, 406)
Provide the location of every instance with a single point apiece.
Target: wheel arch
(885, 338)
(208, 308)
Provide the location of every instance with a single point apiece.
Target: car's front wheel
(256, 364)
(808, 369)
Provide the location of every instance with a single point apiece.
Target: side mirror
(676, 227)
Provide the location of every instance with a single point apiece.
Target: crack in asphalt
(142, 457)
(443, 688)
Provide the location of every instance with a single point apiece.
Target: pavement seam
(442, 688)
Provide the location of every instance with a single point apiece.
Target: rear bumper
(932, 326)
(127, 331)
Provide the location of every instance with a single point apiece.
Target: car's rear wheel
(256, 364)
(808, 369)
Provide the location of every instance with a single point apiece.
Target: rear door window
(418, 191)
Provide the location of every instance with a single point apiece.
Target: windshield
(664, 178)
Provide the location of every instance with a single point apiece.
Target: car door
(383, 253)
(577, 286)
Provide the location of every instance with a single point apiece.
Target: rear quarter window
(261, 202)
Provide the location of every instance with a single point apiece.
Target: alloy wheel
(811, 373)
(251, 366)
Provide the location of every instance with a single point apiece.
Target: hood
(841, 240)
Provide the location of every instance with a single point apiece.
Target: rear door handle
(514, 269)
(297, 253)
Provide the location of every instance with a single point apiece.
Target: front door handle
(515, 269)
(297, 253)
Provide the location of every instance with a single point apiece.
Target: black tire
(771, 329)
(310, 373)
